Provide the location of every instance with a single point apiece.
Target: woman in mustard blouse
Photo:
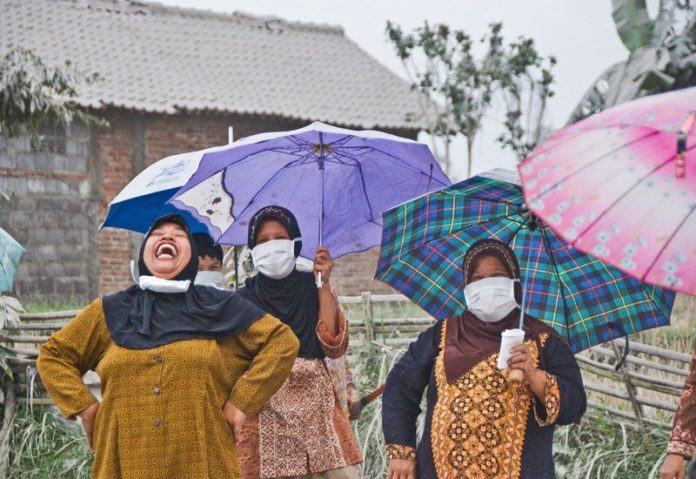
(181, 366)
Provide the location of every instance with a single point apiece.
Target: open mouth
(166, 251)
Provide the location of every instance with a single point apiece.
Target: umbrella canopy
(10, 252)
(587, 301)
(144, 198)
(621, 185)
(336, 181)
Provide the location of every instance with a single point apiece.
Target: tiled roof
(166, 59)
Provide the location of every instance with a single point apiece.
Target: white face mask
(276, 258)
(491, 299)
(209, 277)
(160, 285)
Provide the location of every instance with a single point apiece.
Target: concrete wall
(134, 141)
(52, 213)
(60, 199)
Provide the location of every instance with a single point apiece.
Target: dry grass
(601, 447)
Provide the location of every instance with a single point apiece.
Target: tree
(525, 84)
(33, 93)
(459, 88)
(662, 55)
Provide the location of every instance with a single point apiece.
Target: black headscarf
(139, 319)
(293, 299)
(207, 247)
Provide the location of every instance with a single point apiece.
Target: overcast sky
(580, 34)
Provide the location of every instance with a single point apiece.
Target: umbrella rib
(301, 161)
(669, 240)
(339, 154)
(341, 141)
(304, 144)
(362, 181)
(250, 156)
(555, 268)
(299, 152)
(261, 189)
(364, 189)
(301, 146)
(570, 175)
(626, 192)
(396, 159)
(493, 200)
(489, 220)
(4, 271)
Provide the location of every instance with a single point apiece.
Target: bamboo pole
(49, 315)
(661, 352)
(35, 327)
(630, 388)
(625, 415)
(369, 316)
(10, 402)
(641, 380)
(641, 362)
(396, 333)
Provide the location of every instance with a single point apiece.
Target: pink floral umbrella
(621, 185)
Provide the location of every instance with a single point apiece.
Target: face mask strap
(132, 271)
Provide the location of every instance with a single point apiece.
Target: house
(171, 80)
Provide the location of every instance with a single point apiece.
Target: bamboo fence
(644, 390)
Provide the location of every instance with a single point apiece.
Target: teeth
(166, 250)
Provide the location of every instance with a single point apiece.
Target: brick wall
(134, 141)
(51, 214)
(115, 148)
(354, 273)
(61, 199)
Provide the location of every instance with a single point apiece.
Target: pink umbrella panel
(613, 186)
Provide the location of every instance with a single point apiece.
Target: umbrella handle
(320, 283)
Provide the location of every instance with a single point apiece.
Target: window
(52, 139)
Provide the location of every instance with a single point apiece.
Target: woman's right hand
(88, 417)
(401, 469)
(235, 418)
(673, 467)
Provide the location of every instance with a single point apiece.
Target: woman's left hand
(522, 359)
(235, 418)
(323, 263)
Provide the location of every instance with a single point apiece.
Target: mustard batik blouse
(161, 410)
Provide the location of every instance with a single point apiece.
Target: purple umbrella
(336, 181)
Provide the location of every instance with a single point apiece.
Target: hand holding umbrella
(522, 367)
(587, 301)
(323, 264)
(337, 181)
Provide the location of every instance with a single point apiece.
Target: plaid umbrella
(587, 301)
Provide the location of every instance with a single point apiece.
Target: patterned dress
(303, 429)
(683, 438)
(480, 426)
(161, 410)
(343, 382)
